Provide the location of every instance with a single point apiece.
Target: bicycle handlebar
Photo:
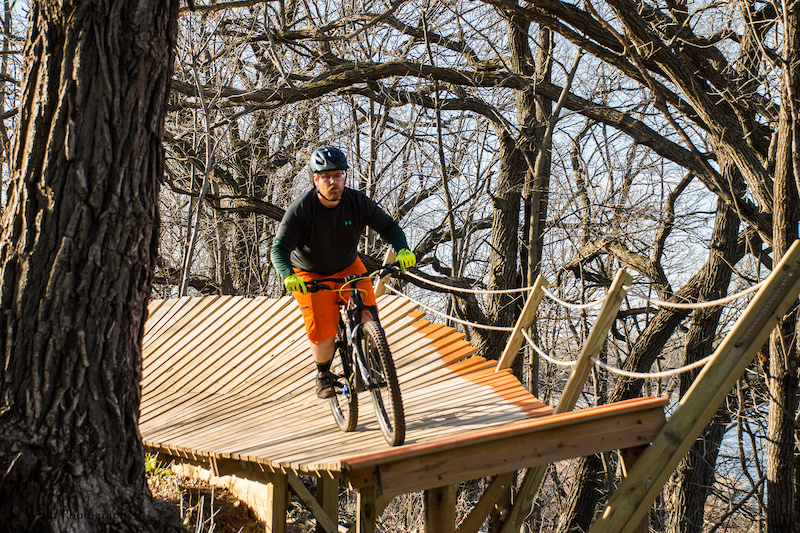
(320, 284)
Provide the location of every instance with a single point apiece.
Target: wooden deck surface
(231, 378)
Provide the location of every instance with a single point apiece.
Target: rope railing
(543, 354)
(615, 370)
(453, 288)
(700, 305)
(570, 305)
(449, 317)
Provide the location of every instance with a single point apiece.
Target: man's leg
(323, 354)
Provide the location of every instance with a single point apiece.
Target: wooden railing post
(525, 320)
(380, 284)
(635, 494)
(594, 343)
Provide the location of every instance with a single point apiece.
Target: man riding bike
(318, 238)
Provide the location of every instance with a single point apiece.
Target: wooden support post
(594, 343)
(627, 459)
(380, 284)
(636, 493)
(440, 509)
(278, 494)
(324, 522)
(487, 503)
(525, 319)
(381, 503)
(328, 498)
(367, 513)
(502, 507)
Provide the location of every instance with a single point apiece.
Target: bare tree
(79, 243)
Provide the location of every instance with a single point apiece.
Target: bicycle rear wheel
(344, 405)
(385, 389)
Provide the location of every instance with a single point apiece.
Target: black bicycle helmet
(327, 158)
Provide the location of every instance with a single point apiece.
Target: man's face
(330, 184)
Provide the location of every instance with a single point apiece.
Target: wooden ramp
(228, 383)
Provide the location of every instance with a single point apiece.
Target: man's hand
(406, 258)
(294, 283)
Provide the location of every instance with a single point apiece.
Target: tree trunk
(783, 385)
(79, 243)
(691, 482)
(500, 308)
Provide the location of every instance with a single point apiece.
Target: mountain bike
(362, 360)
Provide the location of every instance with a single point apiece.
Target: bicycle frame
(351, 314)
(366, 360)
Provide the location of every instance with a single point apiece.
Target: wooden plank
(632, 499)
(323, 520)
(514, 446)
(520, 450)
(440, 509)
(595, 341)
(524, 321)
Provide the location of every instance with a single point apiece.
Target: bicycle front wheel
(344, 405)
(384, 389)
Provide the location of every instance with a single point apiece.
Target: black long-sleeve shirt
(324, 240)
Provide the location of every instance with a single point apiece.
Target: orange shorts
(321, 309)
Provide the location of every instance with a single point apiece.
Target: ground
(204, 508)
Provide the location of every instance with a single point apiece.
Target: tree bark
(79, 243)
(783, 360)
(690, 484)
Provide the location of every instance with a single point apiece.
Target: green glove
(406, 258)
(294, 283)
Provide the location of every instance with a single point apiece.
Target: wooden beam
(440, 509)
(327, 496)
(323, 520)
(521, 445)
(493, 494)
(525, 320)
(380, 284)
(636, 493)
(594, 343)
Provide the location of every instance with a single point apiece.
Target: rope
(701, 305)
(647, 375)
(454, 319)
(614, 370)
(572, 305)
(544, 355)
(468, 291)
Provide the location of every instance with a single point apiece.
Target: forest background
(512, 139)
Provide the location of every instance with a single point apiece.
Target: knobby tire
(386, 398)
(344, 405)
